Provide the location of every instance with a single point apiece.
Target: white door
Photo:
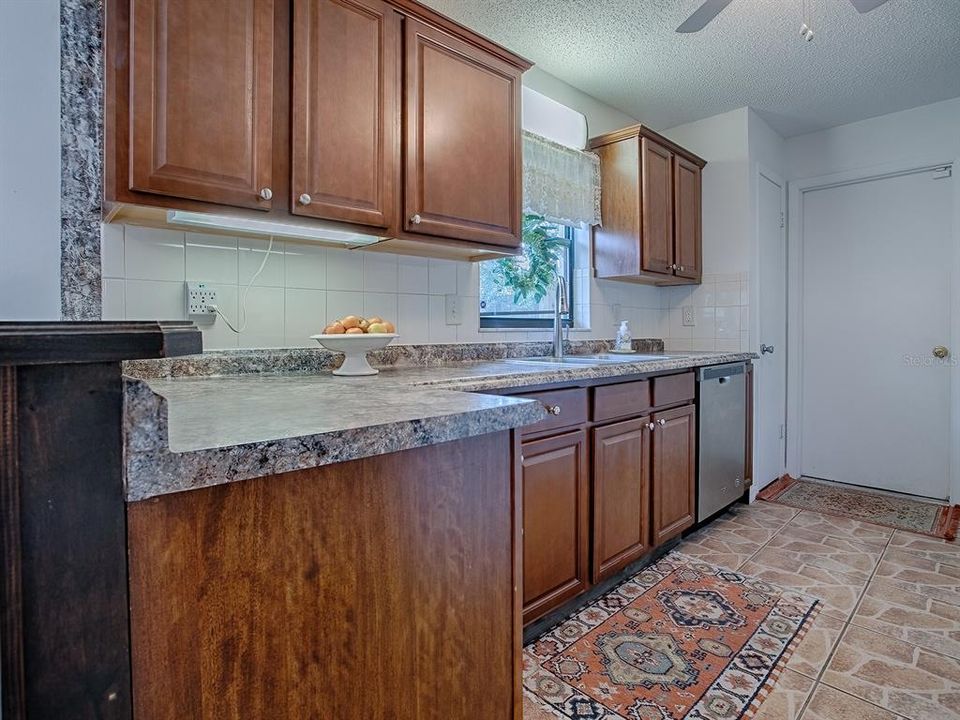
(770, 371)
(876, 276)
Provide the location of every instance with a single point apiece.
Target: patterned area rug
(902, 513)
(681, 639)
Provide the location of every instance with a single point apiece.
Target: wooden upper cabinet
(687, 225)
(674, 472)
(345, 120)
(650, 208)
(621, 495)
(201, 99)
(555, 522)
(462, 164)
(656, 207)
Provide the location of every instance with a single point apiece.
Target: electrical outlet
(452, 310)
(200, 297)
(688, 316)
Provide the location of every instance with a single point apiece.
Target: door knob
(305, 199)
(766, 349)
(415, 219)
(940, 351)
(662, 422)
(651, 427)
(266, 193)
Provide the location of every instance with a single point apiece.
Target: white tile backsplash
(152, 254)
(304, 314)
(154, 300)
(252, 254)
(305, 266)
(303, 287)
(211, 258)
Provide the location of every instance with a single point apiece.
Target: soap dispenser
(624, 341)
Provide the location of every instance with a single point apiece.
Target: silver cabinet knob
(681, 268)
(651, 426)
(940, 351)
(266, 193)
(305, 199)
(416, 219)
(553, 409)
(662, 422)
(766, 349)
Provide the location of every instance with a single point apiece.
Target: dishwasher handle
(721, 372)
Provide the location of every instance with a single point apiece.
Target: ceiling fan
(711, 8)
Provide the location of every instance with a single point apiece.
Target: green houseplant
(531, 275)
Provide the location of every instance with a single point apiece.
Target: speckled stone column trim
(81, 157)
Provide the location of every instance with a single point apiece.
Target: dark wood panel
(687, 224)
(40, 343)
(555, 522)
(616, 242)
(457, 98)
(621, 495)
(346, 111)
(564, 408)
(12, 680)
(674, 472)
(673, 389)
(72, 537)
(620, 400)
(371, 590)
(656, 203)
(201, 99)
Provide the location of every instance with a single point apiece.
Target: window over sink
(520, 292)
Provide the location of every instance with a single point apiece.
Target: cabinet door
(674, 472)
(687, 226)
(346, 112)
(554, 522)
(621, 495)
(656, 207)
(201, 99)
(462, 140)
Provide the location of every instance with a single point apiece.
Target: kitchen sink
(598, 359)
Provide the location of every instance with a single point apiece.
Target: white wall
(601, 118)
(924, 134)
(29, 159)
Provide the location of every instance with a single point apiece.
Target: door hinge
(943, 172)
(781, 219)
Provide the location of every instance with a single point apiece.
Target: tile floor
(886, 645)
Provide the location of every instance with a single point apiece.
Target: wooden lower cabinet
(555, 521)
(375, 589)
(621, 495)
(674, 472)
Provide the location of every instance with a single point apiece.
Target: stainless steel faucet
(560, 306)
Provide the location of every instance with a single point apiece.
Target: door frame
(761, 172)
(796, 191)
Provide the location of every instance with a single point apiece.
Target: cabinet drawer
(565, 408)
(621, 400)
(672, 389)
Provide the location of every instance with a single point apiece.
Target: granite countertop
(184, 433)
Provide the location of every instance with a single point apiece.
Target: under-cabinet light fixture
(268, 227)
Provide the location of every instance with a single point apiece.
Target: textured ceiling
(626, 53)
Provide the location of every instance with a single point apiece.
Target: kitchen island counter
(183, 433)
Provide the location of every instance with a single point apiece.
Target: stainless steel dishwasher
(722, 436)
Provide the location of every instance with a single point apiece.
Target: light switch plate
(452, 310)
(688, 316)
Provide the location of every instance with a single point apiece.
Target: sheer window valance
(560, 183)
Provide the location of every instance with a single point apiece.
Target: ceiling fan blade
(865, 6)
(703, 15)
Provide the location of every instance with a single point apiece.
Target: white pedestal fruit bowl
(355, 348)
